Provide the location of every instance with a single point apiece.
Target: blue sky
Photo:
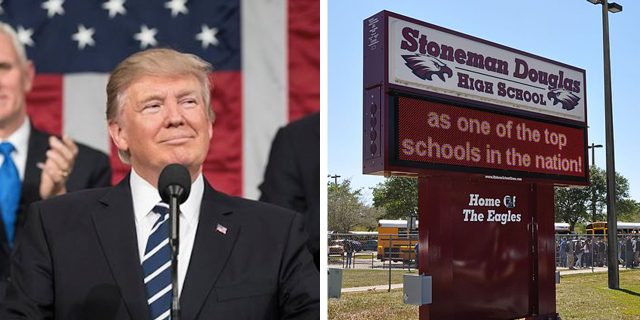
(568, 31)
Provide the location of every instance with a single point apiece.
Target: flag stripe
(85, 101)
(304, 58)
(223, 166)
(264, 64)
(45, 103)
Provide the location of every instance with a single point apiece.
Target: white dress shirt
(20, 140)
(145, 197)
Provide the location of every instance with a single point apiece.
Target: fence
(398, 252)
(579, 251)
(384, 251)
(391, 251)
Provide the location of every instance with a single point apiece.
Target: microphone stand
(174, 218)
(174, 185)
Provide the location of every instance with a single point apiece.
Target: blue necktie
(156, 266)
(9, 191)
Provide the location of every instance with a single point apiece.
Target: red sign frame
(432, 135)
(380, 146)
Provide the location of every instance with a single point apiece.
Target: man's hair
(155, 62)
(17, 45)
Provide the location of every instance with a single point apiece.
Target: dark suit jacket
(292, 177)
(78, 259)
(90, 170)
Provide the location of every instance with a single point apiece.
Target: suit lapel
(211, 249)
(115, 226)
(38, 145)
(30, 191)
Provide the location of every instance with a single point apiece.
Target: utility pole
(612, 220)
(335, 178)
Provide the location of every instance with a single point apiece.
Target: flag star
(84, 37)
(146, 36)
(177, 7)
(207, 36)
(53, 7)
(115, 7)
(24, 36)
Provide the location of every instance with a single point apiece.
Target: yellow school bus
(395, 241)
(600, 227)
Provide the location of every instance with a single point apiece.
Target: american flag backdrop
(265, 54)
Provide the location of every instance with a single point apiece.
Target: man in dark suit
(292, 176)
(102, 253)
(45, 165)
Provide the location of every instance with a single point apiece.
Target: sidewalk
(372, 288)
(563, 271)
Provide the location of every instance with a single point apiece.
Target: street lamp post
(593, 147)
(411, 225)
(612, 221)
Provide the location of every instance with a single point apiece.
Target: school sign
(488, 131)
(437, 99)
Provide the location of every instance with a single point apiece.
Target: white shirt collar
(20, 140)
(145, 197)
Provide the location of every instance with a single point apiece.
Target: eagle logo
(425, 66)
(568, 99)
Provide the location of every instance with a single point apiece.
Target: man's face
(163, 120)
(15, 83)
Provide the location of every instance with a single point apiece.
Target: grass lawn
(371, 305)
(587, 296)
(368, 277)
(580, 296)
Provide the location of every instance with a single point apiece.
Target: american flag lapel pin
(222, 229)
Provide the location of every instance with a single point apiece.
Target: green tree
(598, 185)
(571, 205)
(628, 210)
(598, 192)
(575, 204)
(369, 218)
(398, 196)
(344, 207)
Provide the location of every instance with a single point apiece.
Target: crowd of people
(629, 251)
(585, 252)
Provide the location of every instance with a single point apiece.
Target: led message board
(434, 135)
(413, 69)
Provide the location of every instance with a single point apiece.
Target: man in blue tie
(33, 164)
(102, 253)
(9, 190)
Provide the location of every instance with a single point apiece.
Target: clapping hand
(56, 169)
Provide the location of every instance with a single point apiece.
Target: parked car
(370, 245)
(336, 248)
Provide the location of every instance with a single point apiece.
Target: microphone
(174, 185)
(174, 181)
